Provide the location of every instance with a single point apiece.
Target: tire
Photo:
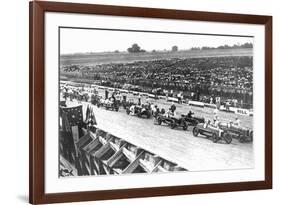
(127, 111)
(227, 138)
(173, 125)
(195, 131)
(215, 138)
(251, 136)
(159, 121)
(241, 138)
(184, 127)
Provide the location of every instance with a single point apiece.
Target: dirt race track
(176, 145)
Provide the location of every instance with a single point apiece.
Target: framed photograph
(139, 102)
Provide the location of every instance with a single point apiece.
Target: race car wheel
(184, 127)
(173, 125)
(195, 131)
(241, 138)
(251, 136)
(215, 138)
(127, 111)
(159, 121)
(227, 138)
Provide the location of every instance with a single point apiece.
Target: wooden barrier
(101, 153)
(196, 103)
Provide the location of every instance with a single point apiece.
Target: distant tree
(153, 51)
(135, 48)
(207, 48)
(174, 48)
(224, 47)
(195, 48)
(247, 45)
(116, 51)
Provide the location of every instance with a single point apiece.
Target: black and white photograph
(151, 102)
(123, 102)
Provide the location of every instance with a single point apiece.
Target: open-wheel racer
(171, 119)
(212, 132)
(139, 111)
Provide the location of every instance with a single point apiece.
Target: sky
(91, 40)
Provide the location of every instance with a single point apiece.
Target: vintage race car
(157, 112)
(172, 121)
(139, 112)
(193, 120)
(109, 105)
(215, 134)
(84, 96)
(95, 99)
(127, 104)
(240, 133)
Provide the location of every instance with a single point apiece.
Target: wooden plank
(68, 166)
(133, 164)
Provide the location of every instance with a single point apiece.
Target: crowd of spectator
(202, 78)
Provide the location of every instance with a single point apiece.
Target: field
(122, 57)
(176, 145)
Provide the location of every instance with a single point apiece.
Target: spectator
(139, 99)
(106, 93)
